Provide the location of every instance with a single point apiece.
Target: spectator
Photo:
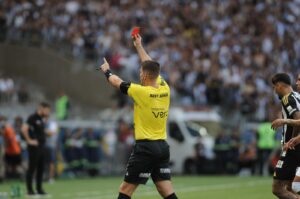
(126, 139)
(222, 151)
(13, 157)
(2, 89)
(79, 159)
(51, 148)
(2, 164)
(200, 158)
(23, 94)
(92, 149)
(62, 106)
(6, 89)
(110, 142)
(247, 160)
(68, 152)
(265, 145)
(18, 123)
(234, 151)
(248, 137)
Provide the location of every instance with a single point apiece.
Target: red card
(135, 31)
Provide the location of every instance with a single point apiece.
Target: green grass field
(187, 187)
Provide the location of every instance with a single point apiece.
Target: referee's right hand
(33, 142)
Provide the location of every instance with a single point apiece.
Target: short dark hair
(44, 105)
(152, 68)
(281, 77)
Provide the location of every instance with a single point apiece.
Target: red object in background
(135, 31)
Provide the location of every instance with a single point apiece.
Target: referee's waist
(146, 140)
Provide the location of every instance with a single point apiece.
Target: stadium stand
(208, 49)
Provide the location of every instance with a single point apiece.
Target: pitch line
(101, 195)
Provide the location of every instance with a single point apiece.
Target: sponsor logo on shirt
(289, 108)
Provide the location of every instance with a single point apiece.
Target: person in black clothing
(35, 136)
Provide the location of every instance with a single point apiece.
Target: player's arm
(25, 133)
(137, 41)
(280, 122)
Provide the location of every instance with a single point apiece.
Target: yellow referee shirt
(151, 106)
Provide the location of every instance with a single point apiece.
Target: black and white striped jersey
(290, 104)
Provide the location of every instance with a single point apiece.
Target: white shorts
(298, 172)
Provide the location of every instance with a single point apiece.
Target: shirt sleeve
(290, 105)
(135, 91)
(124, 87)
(30, 121)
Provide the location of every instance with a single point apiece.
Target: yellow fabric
(151, 106)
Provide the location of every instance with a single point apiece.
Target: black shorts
(287, 164)
(13, 160)
(148, 158)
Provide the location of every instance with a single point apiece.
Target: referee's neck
(151, 83)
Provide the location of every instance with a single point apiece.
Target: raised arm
(137, 41)
(114, 80)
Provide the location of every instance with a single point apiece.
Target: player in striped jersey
(289, 161)
(294, 141)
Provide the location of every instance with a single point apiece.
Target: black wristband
(108, 73)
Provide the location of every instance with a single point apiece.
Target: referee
(150, 155)
(35, 136)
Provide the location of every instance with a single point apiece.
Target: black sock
(172, 196)
(123, 196)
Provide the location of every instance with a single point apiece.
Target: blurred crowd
(7, 88)
(250, 151)
(70, 152)
(86, 151)
(217, 53)
(10, 91)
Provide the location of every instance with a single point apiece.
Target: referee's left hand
(105, 66)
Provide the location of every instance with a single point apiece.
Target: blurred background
(217, 56)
